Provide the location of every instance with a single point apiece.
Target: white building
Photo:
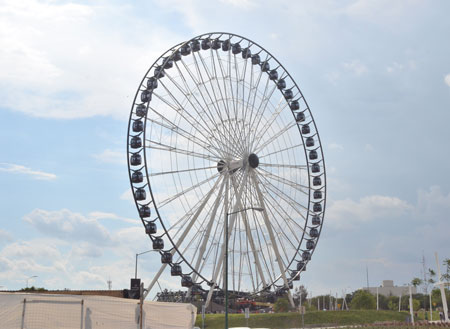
(388, 289)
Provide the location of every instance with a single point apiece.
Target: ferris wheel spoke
(231, 222)
(285, 215)
(263, 249)
(181, 171)
(260, 231)
(281, 231)
(280, 107)
(279, 151)
(270, 207)
(214, 249)
(243, 79)
(297, 186)
(253, 93)
(212, 103)
(238, 141)
(286, 198)
(208, 230)
(249, 264)
(233, 255)
(249, 236)
(265, 99)
(242, 98)
(218, 265)
(172, 149)
(210, 79)
(234, 96)
(195, 216)
(241, 259)
(169, 125)
(178, 227)
(184, 192)
(279, 165)
(273, 138)
(181, 107)
(180, 112)
(203, 112)
(252, 98)
(272, 237)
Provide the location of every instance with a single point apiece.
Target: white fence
(42, 311)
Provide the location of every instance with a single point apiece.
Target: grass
(294, 320)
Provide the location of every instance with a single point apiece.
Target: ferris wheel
(225, 159)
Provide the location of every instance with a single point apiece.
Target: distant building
(388, 289)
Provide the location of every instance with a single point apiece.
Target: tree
(416, 304)
(300, 293)
(446, 275)
(393, 303)
(382, 302)
(33, 289)
(281, 305)
(416, 282)
(363, 300)
(432, 275)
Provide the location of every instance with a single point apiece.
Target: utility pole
(377, 300)
(441, 286)
(411, 311)
(367, 275)
(424, 274)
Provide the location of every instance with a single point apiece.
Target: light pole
(226, 256)
(138, 254)
(31, 277)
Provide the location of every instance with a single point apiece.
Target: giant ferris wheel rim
(171, 53)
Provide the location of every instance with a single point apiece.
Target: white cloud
(242, 4)
(19, 169)
(87, 250)
(356, 67)
(111, 156)
(5, 236)
(70, 226)
(396, 67)
(127, 195)
(349, 213)
(37, 250)
(333, 77)
(383, 11)
(98, 215)
(432, 203)
(335, 146)
(447, 79)
(79, 254)
(55, 58)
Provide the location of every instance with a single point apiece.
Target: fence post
(141, 297)
(82, 313)
(23, 313)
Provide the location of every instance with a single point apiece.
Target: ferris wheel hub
(232, 166)
(253, 160)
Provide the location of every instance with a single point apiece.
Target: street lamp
(226, 256)
(141, 253)
(31, 277)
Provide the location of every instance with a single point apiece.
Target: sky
(376, 75)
